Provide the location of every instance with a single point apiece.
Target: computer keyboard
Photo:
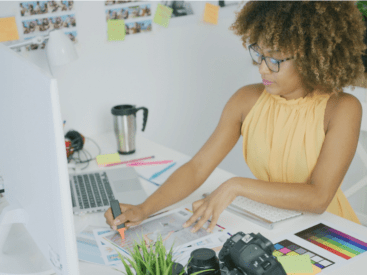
(92, 191)
(262, 211)
(259, 213)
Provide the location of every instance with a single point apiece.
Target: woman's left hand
(212, 206)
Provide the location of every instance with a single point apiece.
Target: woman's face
(286, 82)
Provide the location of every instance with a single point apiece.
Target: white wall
(183, 74)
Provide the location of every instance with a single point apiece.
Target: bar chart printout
(334, 241)
(288, 248)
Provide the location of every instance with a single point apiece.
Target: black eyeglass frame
(263, 58)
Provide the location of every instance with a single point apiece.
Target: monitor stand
(18, 252)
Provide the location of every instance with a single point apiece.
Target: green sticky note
(116, 30)
(162, 15)
(296, 264)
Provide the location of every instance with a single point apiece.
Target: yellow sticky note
(162, 15)
(296, 264)
(108, 159)
(211, 13)
(116, 30)
(8, 29)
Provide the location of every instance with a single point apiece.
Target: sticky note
(107, 159)
(162, 15)
(296, 264)
(315, 270)
(116, 30)
(8, 29)
(211, 13)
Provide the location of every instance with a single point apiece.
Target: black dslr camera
(242, 254)
(250, 254)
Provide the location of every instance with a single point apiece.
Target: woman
(300, 130)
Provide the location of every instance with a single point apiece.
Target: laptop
(92, 191)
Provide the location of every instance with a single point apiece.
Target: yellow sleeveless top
(282, 140)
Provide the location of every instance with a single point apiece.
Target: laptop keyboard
(92, 190)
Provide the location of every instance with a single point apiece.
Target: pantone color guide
(288, 248)
(334, 241)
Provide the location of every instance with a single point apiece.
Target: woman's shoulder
(250, 94)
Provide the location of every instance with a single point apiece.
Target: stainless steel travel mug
(124, 121)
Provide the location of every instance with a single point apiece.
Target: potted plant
(152, 262)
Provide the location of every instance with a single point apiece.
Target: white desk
(145, 147)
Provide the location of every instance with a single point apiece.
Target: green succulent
(151, 262)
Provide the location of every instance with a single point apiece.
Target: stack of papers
(100, 245)
(158, 174)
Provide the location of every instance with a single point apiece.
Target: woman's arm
(292, 196)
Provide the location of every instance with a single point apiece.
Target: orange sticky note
(211, 13)
(8, 29)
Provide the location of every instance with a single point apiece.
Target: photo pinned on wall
(137, 27)
(35, 26)
(71, 34)
(32, 8)
(38, 18)
(135, 15)
(184, 13)
(179, 8)
(129, 12)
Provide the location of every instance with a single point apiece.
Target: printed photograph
(30, 26)
(42, 7)
(56, 6)
(46, 24)
(33, 8)
(180, 8)
(72, 35)
(43, 24)
(138, 27)
(129, 12)
(65, 21)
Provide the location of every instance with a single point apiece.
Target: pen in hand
(116, 211)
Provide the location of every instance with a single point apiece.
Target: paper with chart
(88, 249)
(181, 255)
(168, 225)
(214, 242)
(329, 246)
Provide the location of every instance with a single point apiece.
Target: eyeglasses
(273, 64)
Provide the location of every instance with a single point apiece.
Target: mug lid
(123, 110)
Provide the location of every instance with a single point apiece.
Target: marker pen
(116, 211)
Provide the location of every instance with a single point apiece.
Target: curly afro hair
(326, 38)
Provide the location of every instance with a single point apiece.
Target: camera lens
(177, 268)
(203, 259)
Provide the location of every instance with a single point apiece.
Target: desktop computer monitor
(33, 166)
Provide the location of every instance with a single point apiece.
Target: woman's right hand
(131, 215)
